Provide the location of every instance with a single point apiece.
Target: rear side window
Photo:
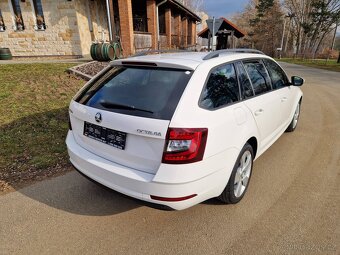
(246, 88)
(258, 76)
(277, 75)
(221, 89)
(139, 91)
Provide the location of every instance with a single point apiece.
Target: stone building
(68, 27)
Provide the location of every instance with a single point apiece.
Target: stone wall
(92, 23)
(67, 33)
(73, 25)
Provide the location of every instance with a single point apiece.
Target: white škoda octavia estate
(177, 129)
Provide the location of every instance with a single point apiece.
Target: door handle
(284, 99)
(259, 112)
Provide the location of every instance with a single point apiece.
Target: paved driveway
(292, 205)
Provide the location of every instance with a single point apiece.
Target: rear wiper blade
(110, 105)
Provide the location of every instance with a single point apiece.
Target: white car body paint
(138, 170)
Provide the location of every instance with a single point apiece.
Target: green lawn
(330, 65)
(34, 102)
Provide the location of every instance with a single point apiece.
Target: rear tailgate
(133, 106)
(145, 137)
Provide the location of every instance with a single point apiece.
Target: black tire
(228, 195)
(292, 126)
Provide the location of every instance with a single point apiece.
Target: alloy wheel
(243, 174)
(296, 115)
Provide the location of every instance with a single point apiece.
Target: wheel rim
(242, 174)
(296, 115)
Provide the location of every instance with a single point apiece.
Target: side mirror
(297, 81)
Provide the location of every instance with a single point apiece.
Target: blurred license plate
(111, 137)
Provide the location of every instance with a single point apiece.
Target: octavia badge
(98, 117)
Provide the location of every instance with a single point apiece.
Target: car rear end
(121, 134)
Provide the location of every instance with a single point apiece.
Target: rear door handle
(259, 112)
(284, 99)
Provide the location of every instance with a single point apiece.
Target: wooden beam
(112, 19)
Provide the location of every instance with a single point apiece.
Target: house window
(161, 19)
(139, 14)
(2, 23)
(39, 15)
(18, 21)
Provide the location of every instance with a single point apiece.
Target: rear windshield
(139, 91)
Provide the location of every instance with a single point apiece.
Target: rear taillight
(185, 145)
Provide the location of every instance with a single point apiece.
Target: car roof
(186, 60)
(182, 60)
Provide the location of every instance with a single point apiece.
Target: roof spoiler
(149, 52)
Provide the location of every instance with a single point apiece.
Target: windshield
(139, 91)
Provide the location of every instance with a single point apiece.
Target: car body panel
(167, 183)
(144, 142)
(266, 111)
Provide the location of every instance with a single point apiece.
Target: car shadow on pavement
(75, 194)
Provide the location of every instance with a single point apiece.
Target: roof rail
(215, 54)
(147, 52)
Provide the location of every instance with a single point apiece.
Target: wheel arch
(254, 144)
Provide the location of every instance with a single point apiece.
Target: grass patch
(330, 65)
(34, 101)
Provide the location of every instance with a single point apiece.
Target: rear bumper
(142, 185)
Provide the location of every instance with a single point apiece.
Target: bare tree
(313, 21)
(262, 20)
(194, 5)
(242, 19)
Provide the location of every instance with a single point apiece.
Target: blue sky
(224, 8)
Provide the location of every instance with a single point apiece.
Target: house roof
(185, 9)
(226, 24)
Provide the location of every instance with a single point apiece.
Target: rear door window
(221, 89)
(139, 91)
(246, 88)
(258, 76)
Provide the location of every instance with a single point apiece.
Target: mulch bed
(89, 69)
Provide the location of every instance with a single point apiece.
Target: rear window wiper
(110, 105)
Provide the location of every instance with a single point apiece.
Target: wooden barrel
(93, 51)
(98, 52)
(108, 52)
(118, 50)
(5, 54)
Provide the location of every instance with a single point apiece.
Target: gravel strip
(92, 68)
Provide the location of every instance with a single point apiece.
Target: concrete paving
(292, 205)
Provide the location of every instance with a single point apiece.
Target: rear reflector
(172, 199)
(185, 145)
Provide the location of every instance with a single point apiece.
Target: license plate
(105, 135)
